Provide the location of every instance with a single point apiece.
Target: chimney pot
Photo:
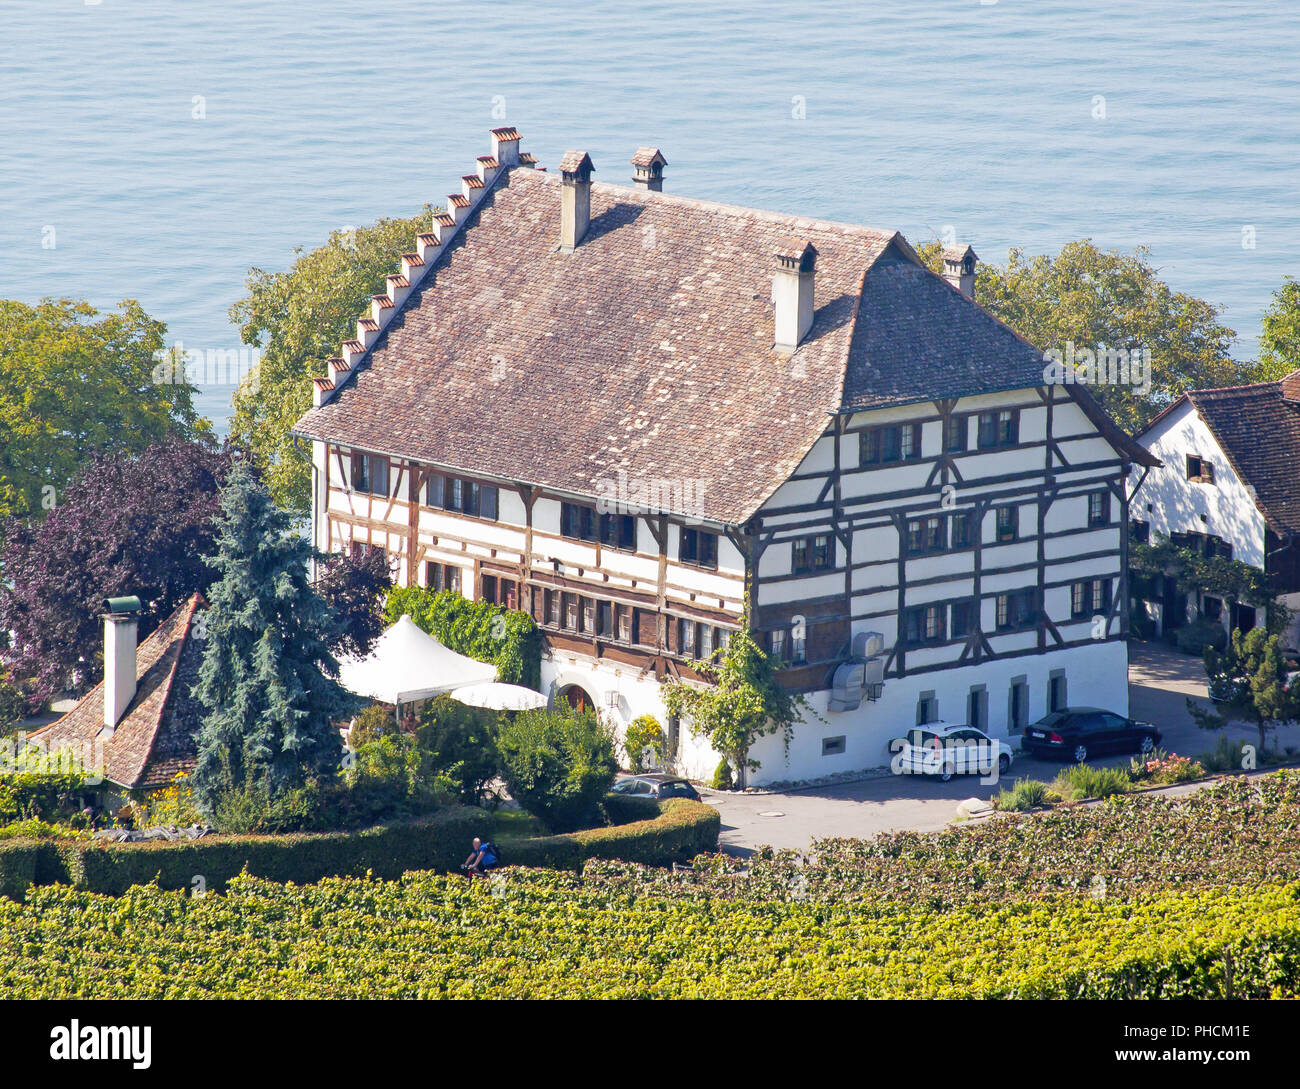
(505, 146)
(648, 169)
(121, 626)
(575, 198)
(959, 268)
(792, 293)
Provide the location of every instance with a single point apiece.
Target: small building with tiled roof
(153, 737)
(1229, 485)
(646, 419)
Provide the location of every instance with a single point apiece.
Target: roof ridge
(770, 216)
(191, 607)
(417, 265)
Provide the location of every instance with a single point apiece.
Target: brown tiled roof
(155, 737)
(507, 133)
(645, 156)
(573, 161)
(1258, 429)
(648, 350)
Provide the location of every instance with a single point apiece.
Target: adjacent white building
(1228, 484)
(627, 412)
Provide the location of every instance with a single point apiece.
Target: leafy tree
(742, 702)
(299, 318)
(126, 524)
(1231, 580)
(267, 680)
(75, 382)
(558, 765)
(1251, 676)
(1107, 299)
(355, 588)
(458, 745)
(644, 737)
(1279, 342)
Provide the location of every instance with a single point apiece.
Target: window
(977, 707)
(799, 643)
(623, 623)
(833, 746)
(605, 619)
(1098, 508)
(810, 554)
(1199, 470)
(618, 531)
(571, 612)
(883, 445)
(963, 619)
(462, 496)
(359, 550)
(442, 576)
(1212, 608)
(1089, 597)
(955, 434)
(927, 534)
(1000, 428)
(924, 624)
(577, 522)
(553, 608)
(1008, 523)
(1141, 531)
(1018, 704)
(1017, 609)
(698, 547)
(926, 709)
(686, 638)
(961, 533)
(1056, 692)
(370, 473)
(776, 644)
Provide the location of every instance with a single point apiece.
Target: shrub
(458, 744)
(678, 831)
(1162, 767)
(1230, 756)
(26, 794)
(1024, 794)
(507, 638)
(722, 779)
(387, 781)
(173, 805)
(644, 736)
(1193, 638)
(558, 765)
(1085, 781)
(373, 720)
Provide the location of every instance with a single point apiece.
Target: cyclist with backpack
(482, 858)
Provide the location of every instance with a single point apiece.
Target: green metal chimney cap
(122, 604)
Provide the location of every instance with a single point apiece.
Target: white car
(944, 750)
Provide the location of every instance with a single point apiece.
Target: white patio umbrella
(408, 664)
(499, 697)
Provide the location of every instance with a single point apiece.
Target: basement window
(833, 746)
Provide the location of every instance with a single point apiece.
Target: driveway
(1160, 680)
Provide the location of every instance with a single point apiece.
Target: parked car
(944, 749)
(1079, 732)
(655, 786)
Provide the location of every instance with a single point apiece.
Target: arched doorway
(577, 697)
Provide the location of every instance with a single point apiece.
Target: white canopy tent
(408, 664)
(500, 697)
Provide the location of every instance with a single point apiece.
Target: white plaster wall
(1177, 503)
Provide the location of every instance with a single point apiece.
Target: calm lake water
(1016, 123)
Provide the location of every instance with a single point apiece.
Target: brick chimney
(959, 268)
(575, 198)
(648, 169)
(121, 626)
(792, 293)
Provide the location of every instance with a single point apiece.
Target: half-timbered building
(1228, 485)
(627, 412)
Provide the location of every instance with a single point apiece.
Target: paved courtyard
(1160, 681)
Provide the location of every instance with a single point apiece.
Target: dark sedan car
(1079, 732)
(655, 786)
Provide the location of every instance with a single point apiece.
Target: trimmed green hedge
(680, 831)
